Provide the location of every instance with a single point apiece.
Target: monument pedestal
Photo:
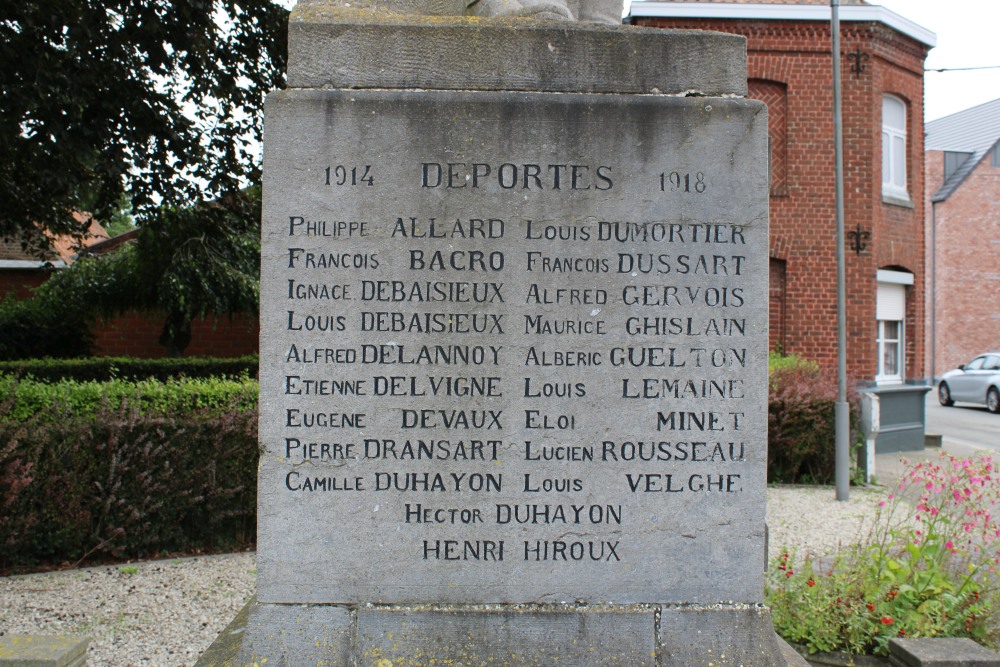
(513, 349)
(518, 635)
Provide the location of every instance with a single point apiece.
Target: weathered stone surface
(523, 637)
(43, 650)
(646, 324)
(942, 652)
(350, 48)
(294, 635)
(223, 651)
(410, 7)
(519, 636)
(721, 636)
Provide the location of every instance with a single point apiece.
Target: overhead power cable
(959, 69)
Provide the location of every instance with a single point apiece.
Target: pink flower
(949, 545)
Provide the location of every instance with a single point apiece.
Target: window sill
(898, 200)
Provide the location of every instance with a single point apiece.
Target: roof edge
(956, 180)
(732, 10)
(31, 264)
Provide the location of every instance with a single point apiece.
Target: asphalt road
(963, 424)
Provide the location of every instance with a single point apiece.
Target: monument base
(521, 635)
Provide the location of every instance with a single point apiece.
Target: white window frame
(894, 149)
(884, 375)
(890, 307)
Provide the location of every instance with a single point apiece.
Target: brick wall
(789, 68)
(20, 282)
(967, 313)
(136, 334)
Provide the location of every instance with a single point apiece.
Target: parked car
(975, 382)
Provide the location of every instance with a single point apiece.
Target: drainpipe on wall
(933, 272)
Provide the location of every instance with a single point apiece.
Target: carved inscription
(478, 368)
(668, 362)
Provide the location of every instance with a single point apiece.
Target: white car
(975, 382)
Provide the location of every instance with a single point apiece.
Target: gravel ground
(166, 613)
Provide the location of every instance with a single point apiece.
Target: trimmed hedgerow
(130, 368)
(801, 426)
(118, 481)
(150, 398)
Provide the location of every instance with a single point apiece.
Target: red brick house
(134, 333)
(963, 236)
(790, 68)
(22, 269)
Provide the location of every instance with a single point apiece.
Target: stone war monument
(513, 363)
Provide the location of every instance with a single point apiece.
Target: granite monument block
(513, 350)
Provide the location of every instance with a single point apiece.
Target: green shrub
(801, 424)
(32, 328)
(781, 362)
(130, 368)
(128, 474)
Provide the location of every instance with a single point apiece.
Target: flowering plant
(929, 568)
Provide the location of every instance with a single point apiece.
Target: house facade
(790, 69)
(963, 236)
(23, 268)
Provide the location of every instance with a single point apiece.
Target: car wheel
(944, 395)
(993, 400)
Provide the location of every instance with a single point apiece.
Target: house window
(953, 161)
(894, 147)
(890, 351)
(890, 313)
(995, 156)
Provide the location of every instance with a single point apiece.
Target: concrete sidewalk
(889, 468)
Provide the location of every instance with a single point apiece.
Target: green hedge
(150, 398)
(33, 328)
(130, 473)
(130, 368)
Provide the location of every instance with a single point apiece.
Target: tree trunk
(176, 334)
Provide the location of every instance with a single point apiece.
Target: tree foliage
(157, 98)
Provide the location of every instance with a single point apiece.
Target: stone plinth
(43, 651)
(941, 652)
(339, 48)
